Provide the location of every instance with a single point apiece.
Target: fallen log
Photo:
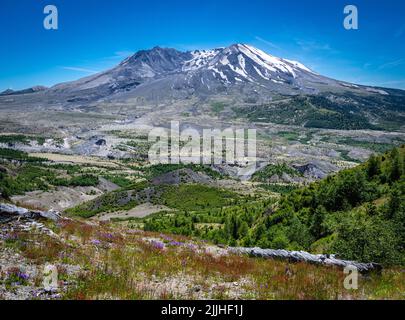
(10, 211)
(302, 256)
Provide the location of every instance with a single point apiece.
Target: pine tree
(396, 169)
(373, 167)
(317, 224)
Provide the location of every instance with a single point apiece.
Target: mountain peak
(173, 73)
(6, 92)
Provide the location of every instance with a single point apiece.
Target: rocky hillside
(106, 261)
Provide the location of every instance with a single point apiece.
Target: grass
(36, 247)
(85, 180)
(153, 171)
(19, 138)
(279, 188)
(374, 146)
(345, 156)
(121, 181)
(26, 177)
(10, 154)
(196, 197)
(109, 202)
(289, 135)
(274, 169)
(309, 111)
(132, 274)
(217, 107)
(118, 263)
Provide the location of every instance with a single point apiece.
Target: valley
(328, 179)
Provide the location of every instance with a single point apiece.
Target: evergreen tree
(396, 168)
(373, 166)
(317, 227)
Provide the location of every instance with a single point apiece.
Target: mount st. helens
(261, 87)
(205, 72)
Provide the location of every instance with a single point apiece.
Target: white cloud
(269, 43)
(78, 69)
(392, 64)
(315, 46)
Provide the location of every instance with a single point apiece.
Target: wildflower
(10, 237)
(106, 236)
(165, 237)
(192, 246)
(23, 276)
(16, 276)
(176, 243)
(95, 242)
(157, 245)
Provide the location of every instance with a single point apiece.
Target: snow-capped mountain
(171, 73)
(241, 63)
(260, 86)
(245, 63)
(241, 72)
(200, 59)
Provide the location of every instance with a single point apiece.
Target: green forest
(358, 214)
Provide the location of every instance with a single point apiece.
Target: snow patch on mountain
(260, 74)
(200, 58)
(265, 60)
(299, 65)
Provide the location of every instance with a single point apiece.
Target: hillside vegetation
(358, 213)
(104, 261)
(21, 173)
(331, 111)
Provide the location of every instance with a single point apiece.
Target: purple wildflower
(157, 245)
(107, 235)
(23, 276)
(95, 242)
(10, 237)
(192, 246)
(17, 277)
(176, 243)
(165, 237)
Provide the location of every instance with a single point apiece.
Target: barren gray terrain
(313, 123)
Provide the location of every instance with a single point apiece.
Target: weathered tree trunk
(302, 256)
(9, 212)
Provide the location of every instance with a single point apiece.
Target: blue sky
(95, 35)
